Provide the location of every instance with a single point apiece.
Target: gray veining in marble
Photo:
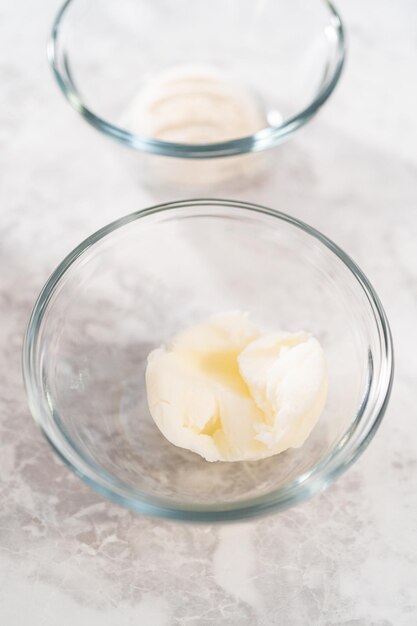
(347, 557)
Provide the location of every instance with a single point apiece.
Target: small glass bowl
(288, 53)
(135, 283)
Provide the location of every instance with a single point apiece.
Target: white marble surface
(347, 557)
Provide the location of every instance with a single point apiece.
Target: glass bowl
(135, 283)
(288, 54)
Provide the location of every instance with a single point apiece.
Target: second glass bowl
(133, 285)
(288, 53)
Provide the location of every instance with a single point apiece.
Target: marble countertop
(347, 557)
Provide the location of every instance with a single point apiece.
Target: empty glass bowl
(288, 54)
(133, 285)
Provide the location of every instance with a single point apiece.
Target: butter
(230, 393)
(196, 105)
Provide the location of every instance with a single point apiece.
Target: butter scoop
(230, 393)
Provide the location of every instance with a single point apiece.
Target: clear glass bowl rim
(261, 140)
(315, 480)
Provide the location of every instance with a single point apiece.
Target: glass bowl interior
(287, 53)
(132, 286)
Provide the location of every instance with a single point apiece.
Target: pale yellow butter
(196, 105)
(229, 393)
